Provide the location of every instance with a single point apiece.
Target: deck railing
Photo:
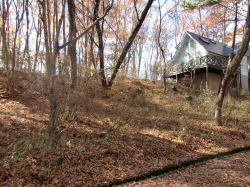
(199, 62)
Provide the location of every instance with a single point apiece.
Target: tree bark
(72, 45)
(71, 108)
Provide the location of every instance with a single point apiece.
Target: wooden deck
(215, 62)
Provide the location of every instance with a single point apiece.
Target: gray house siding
(245, 73)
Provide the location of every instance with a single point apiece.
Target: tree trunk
(92, 54)
(51, 56)
(65, 60)
(19, 19)
(72, 45)
(100, 45)
(162, 49)
(26, 50)
(233, 64)
(5, 15)
(201, 27)
(86, 55)
(38, 43)
(71, 109)
(140, 52)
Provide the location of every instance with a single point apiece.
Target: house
(201, 62)
(244, 69)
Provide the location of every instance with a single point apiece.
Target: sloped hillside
(131, 129)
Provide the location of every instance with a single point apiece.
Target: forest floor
(127, 131)
(228, 171)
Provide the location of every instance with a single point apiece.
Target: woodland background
(82, 99)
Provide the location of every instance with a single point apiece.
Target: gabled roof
(210, 45)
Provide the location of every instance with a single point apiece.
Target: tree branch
(87, 29)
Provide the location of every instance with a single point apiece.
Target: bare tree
(18, 20)
(72, 45)
(71, 109)
(139, 50)
(5, 7)
(27, 46)
(130, 42)
(100, 43)
(38, 42)
(52, 49)
(160, 45)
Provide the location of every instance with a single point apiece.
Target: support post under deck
(206, 77)
(193, 77)
(238, 85)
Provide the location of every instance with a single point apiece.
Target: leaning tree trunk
(233, 64)
(130, 42)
